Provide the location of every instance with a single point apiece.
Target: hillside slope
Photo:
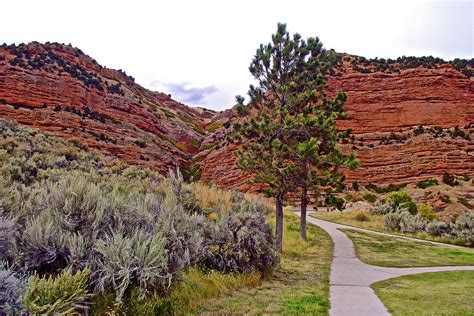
(58, 88)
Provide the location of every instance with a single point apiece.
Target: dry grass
(372, 221)
(213, 197)
(440, 293)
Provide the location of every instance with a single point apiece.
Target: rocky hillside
(58, 88)
(412, 118)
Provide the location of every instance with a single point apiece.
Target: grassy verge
(396, 252)
(440, 293)
(375, 223)
(299, 286)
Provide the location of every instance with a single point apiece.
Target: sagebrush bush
(240, 241)
(73, 210)
(463, 228)
(11, 290)
(381, 208)
(392, 220)
(125, 260)
(411, 223)
(438, 228)
(65, 294)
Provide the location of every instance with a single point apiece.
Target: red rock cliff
(58, 88)
(384, 110)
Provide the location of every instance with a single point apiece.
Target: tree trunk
(279, 223)
(304, 204)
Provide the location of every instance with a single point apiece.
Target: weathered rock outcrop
(58, 88)
(384, 110)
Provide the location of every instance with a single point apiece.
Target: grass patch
(396, 252)
(440, 293)
(300, 285)
(377, 223)
(372, 221)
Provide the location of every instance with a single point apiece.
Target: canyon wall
(58, 88)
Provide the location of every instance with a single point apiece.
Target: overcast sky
(199, 51)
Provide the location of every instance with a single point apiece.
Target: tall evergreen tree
(289, 142)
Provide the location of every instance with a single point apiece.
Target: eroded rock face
(58, 88)
(384, 110)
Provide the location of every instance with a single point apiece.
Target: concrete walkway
(350, 278)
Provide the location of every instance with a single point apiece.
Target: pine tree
(289, 143)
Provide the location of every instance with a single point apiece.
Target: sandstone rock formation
(58, 88)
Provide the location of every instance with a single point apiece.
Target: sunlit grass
(440, 293)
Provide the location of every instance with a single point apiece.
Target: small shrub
(11, 289)
(361, 217)
(369, 197)
(437, 228)
(349, 197)
(426, 183)
(465, 202)
(140, 143)
(463, 228)
(355, 186)
(401, 199)
(392, 220)
(381, 208)
(450, 179)
(426, 212)
(241, 241)
(64, 294)
(411, 223)
(125, 260)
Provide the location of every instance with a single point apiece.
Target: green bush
(334, 201)
(426, 183)
(450, 179)
(401, 199)
(64, 294)
(426, 212)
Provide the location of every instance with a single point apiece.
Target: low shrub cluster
(402, 214)
(450, 179)
(74, 224)
(426, 183)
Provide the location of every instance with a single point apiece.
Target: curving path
(350, 278)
